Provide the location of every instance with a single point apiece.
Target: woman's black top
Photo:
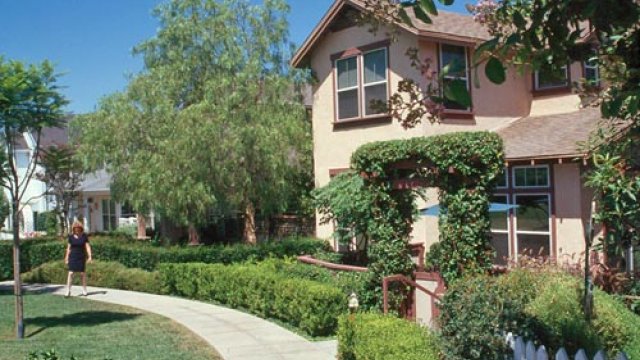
(77, 255)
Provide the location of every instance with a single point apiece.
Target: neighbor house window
(366, 72)
(22, 159)
(551, 77)
(531, 176)
(455, 58)
(592, 72)
(108, 215)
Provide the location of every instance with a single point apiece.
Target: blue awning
(493, 207)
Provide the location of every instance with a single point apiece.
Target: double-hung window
(551, 77)
(362, 82)
(454, 59)
(532, 216)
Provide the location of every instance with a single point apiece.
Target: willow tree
(212, 122)
(29, 101)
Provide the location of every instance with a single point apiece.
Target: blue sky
(90, 41)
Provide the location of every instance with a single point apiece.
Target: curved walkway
(235, 335)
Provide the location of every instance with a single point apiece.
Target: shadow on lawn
(80, 319)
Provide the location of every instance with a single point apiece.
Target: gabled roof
(446, 26)
(550, 136)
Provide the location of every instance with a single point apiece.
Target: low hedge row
(99, 273)
(370, 336)
(134, 254)
(544, 306)
(311, 306)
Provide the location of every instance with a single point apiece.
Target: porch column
(142, 227)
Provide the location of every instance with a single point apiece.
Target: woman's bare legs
(69, 281)
(84, 283)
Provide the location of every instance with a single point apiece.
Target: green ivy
(463, 166)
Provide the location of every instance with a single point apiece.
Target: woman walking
(77, 255)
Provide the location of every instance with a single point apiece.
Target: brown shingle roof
(551, 136)
(446, 26)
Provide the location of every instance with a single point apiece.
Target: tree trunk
(194, 237)
(249, 235)
(142, 227)
(17, 284)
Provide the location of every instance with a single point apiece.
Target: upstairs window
(455, 57)
(551, 77)
(366, 73)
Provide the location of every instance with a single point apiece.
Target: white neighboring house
(94, 205)
(99, 211)
(33, 201)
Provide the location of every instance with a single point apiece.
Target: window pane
(499, 219)
(454, 56)
(347, 73)
(375, 66)
(532, 176)
(373, 93)
(500, 243)
(502, 179)
(549, 77)
(22, 159)
(533, 245)
(591, 74)
(450, 104)
(532, 213)
(348, 104)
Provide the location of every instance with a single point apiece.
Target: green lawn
(93, 330)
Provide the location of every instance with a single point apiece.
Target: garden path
(234, 334)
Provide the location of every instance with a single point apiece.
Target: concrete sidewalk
(235, 335)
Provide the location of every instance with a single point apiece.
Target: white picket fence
(527, 351)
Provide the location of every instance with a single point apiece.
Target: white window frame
(356, 87)
(516, 186)
(466, 69)
(360, 84)
(20, 152)
(566, 77)
(363, 109)
(516, 232)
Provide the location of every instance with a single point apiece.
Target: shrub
(308, 305)
(371, 336)
(137, 254)
(544, 306)
(99, 273)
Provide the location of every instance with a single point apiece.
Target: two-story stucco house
(536, 114)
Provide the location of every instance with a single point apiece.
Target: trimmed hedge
(544, 306)
(99, 273)
(311, 306)
(135, 254)
(370, 336)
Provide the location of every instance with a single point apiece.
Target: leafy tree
(211, 123)
(29, 101)
(5, 209)
(62, 173)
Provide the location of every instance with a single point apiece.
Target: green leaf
(457, 91)
(421, 15)
(446, 2)
(495, 71)
(519, 21)
(429, 6)
(405, 18)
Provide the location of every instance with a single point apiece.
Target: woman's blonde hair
(77, 225)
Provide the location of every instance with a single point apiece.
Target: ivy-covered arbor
(463, 166)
